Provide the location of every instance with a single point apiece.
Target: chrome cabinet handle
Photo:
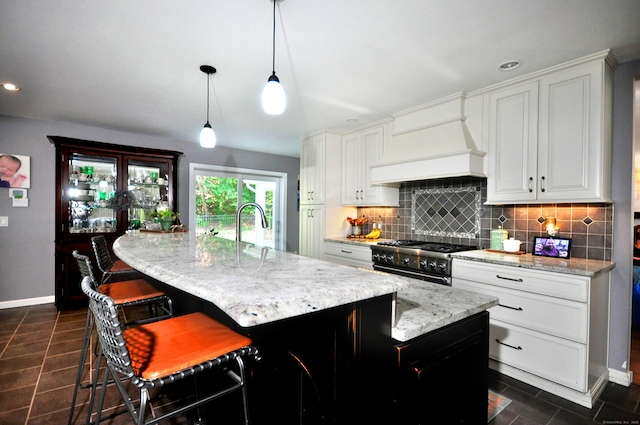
(509, 307)
(509, 278)
(530, 184)
(542, 182)
(346, 252)
(508, 345)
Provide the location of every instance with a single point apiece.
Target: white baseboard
(621, 377)
(27, 302)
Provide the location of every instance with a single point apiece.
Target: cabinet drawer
(554, 316)
(552, 358)
(559, 285)
(353, 255)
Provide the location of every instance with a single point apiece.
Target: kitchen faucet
(239, 213)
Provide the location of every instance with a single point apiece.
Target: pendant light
(273, 98)
(207, 135)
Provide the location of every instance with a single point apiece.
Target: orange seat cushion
(129, 291)
(120, 266)
(161, 348)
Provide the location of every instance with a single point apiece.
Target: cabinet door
(513, 128)
(86, 194)
(351, 164)
(312, 169)
(570, 144)
(311, 231)
(149, 180)
(371, 143)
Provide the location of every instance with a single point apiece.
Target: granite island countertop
(251, 284)
(257, 285)
(575, 266)
(423, 307)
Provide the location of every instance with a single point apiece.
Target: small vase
(166, 224)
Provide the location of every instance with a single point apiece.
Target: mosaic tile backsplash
(446, 210)
(449, 211)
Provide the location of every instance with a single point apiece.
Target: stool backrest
(101, 250)
(109, 329)
(84, 265)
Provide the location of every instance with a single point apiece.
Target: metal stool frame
(119, 364)
(106, 263)
(163, 301)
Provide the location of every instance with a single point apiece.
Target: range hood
(430, 142)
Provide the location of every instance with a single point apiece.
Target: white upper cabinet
(550, 138)
(361, 150)
(312, 170)
(513, 132)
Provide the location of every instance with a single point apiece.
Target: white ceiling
(133, 65)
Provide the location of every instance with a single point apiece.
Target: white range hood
(428, 142)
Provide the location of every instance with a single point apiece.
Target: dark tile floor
(39, 353)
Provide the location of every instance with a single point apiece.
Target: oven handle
(444, 280)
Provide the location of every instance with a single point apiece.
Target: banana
(374, 234)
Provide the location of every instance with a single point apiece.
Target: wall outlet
(4, 221)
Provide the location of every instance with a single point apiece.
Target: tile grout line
(4, 350)
(35, 389)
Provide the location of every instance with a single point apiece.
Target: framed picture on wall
(15, 171)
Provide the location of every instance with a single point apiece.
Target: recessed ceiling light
(10, 87)
(508, 65)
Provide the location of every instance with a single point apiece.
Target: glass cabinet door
(148, 182)
(92, 183)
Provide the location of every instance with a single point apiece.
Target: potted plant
(166, 218)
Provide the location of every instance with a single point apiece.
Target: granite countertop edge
(424, 307)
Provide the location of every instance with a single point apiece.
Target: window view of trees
(217, 203)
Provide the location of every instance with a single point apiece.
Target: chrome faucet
(239, 213)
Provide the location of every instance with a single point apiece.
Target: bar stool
(106, 264)
(124, 293)
(147, 355)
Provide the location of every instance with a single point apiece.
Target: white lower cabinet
(311, 230)
(348, 254)
(549, 330)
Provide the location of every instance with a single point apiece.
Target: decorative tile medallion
(453, 212)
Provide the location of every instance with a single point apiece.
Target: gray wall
(27, 253)
(622, 177)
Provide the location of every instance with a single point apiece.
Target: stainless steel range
(430, 261)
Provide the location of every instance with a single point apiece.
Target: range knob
(405, 261)
(432, 264)
(442, 267)
(389, 258)
(423, 264)
(376, 257)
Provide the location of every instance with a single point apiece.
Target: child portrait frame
(22, 166)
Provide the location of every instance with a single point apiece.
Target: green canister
(497, 236)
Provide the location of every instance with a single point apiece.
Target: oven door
(434, 278)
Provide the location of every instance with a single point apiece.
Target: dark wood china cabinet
(103, 189)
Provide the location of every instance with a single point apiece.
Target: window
(216, 193)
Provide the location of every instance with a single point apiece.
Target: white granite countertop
(252, 285)
(356, 241)
(575, 266)
(423, 307)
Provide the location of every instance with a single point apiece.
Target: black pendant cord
(208, 84)
(273, 47)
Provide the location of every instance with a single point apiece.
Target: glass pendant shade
(274, 100)
(207, 136)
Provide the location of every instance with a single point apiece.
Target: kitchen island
(329, 353)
